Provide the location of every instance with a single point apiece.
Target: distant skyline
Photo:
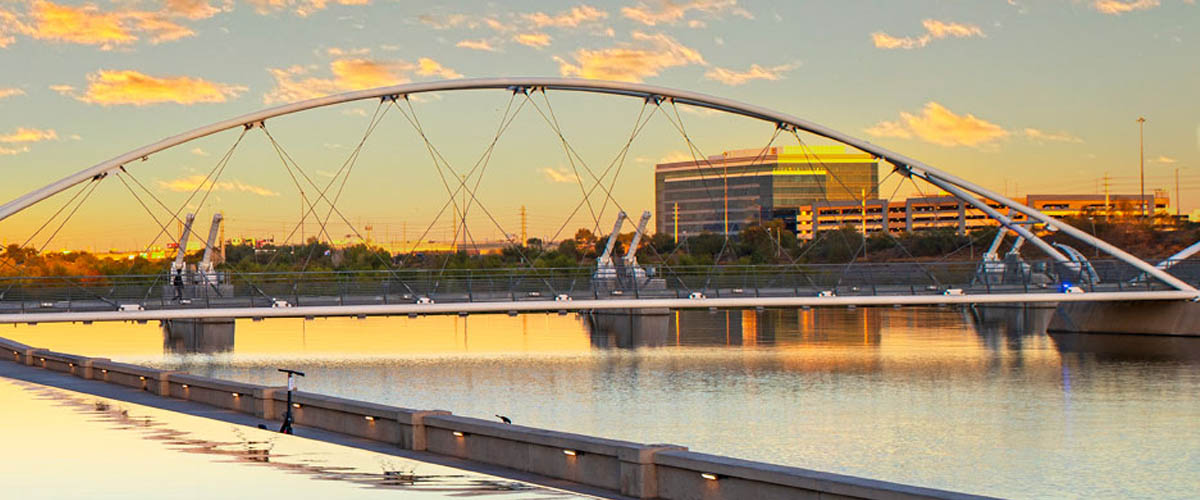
(1018, 95)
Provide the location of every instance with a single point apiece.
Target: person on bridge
(177, 280)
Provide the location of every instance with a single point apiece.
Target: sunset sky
(1022, 96)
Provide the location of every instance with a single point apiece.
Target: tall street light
(1142, 162)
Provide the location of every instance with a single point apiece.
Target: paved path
(25, 373)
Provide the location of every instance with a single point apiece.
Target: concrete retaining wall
(628, 468)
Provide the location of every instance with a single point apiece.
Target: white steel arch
(959, 187)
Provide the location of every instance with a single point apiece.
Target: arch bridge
(401, 291)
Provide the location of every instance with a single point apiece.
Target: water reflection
(1127, 348)
(914, 395)
(731, 327)
(197, 336)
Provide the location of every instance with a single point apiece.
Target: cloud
(1043, 136)
(671, 12)
(558, 176)
(676, 156)
(199, 152)
(429, 67)
(537, 40)
(111, 87)
(340, 52)
(1118, 7)
(934, 29)
(5, 92)
(87, 24)
(195, 9)
(1165, 160)
(566, 19)
(756, 72)
(13, 151)
(23, 134)
(480, 44)
(939, 125)
(191, 183)
(629, 62)
(293, 83)
(302, 8)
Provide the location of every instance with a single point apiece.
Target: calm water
(976, 401)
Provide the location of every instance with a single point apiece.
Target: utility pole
(864, 222)
(676, 233)
(1107, 202)
(524, 237)
(725, 184)
(1142, 162)
(1178, 200)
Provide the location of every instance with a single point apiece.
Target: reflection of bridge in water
(1065, 276)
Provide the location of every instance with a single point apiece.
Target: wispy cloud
(23, 134)
(191, 183)
(480, 44)
(567, 19)
(1165, 160)
(302, 8)
(294, 83)
(88, 24)
(10, 92)
(1118, 7)
(934, 29)
(645, 57)
(196, 9)
(1044, 136)
(558, 175)
(199, 152)
(5, 151)
(671, 11)
(537, 40)
(938, 125)
(756, 72)
(111, 87)
(429, 67)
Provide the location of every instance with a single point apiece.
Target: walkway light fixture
(709, 476)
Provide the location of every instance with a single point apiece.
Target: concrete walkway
(30, 374)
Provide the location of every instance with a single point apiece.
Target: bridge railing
(507, 284)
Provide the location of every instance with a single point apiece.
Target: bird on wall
(504, 419)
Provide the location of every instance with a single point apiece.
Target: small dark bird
(504, 419)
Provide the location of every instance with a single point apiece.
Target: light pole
(1142, 162)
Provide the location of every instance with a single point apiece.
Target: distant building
(758, 185)
(948, 212)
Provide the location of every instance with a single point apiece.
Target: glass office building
(757, 185)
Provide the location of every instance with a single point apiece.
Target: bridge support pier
(1180, 318)
(202, 335)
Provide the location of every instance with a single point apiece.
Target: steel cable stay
(598, 181)
(312, 206)
(793, 262)
(461, 179)
(693, 150)
(86, 192)
(483, 161)
(618, 159)
(21, 269)
(347, 166)
(884, 214)
(571, 158)
(638, 127)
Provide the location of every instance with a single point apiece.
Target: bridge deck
(475, 305)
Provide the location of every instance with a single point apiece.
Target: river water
(980, 401)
